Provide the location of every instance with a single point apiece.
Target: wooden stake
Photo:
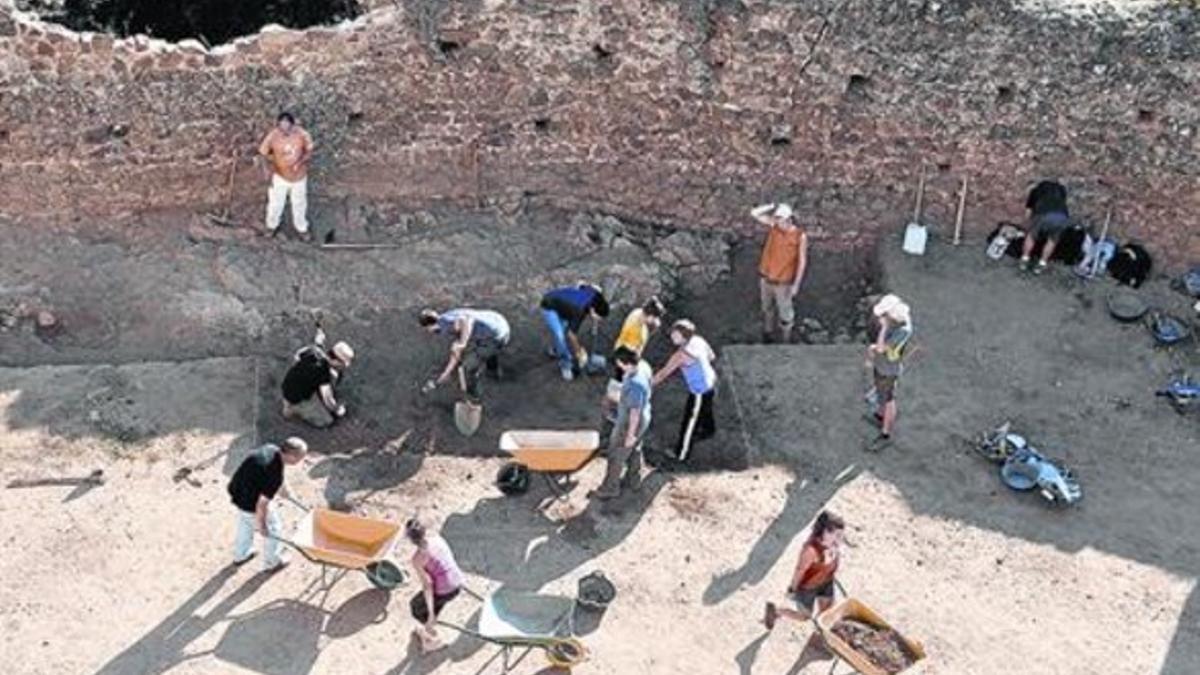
(962, 206)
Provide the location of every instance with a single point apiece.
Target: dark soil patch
(834, 284)
(210, 21)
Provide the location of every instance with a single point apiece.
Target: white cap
(343, 352)
(783, 211)
(893, 307)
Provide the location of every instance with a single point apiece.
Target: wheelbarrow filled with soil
(861, 638)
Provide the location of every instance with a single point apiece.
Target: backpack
(1131, 265)
(1191, 282)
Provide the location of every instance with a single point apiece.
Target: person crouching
(308, 386)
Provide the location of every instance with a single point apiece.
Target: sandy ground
(132, 577)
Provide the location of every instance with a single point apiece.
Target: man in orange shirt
(286, 151)
(780, 269)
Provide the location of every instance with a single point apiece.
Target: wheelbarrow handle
(297, 503)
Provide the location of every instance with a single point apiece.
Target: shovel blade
(467, 417)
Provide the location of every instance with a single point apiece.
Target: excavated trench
(212, 22)
(169, 297)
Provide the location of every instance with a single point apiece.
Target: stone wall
(682, 111)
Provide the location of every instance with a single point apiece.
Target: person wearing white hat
(885, 357)
(308, 385)
(780, 268)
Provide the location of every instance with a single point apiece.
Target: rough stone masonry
(681, 111)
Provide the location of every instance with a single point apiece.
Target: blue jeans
(558, 333)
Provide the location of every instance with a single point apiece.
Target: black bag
(1130, 265)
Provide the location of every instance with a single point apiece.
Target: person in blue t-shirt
(564, 310)
(633, 421)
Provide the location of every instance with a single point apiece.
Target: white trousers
(244, 542)
(279, 193)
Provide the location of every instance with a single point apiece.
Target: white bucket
(915, 236)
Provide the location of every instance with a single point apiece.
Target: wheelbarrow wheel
(384, 575)
(566, 653)
(513, 479)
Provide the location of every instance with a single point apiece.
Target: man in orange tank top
(286, 151)
(780, 269)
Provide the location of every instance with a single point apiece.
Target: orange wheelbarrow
(552, 454)
(347, 542)
(849, 608)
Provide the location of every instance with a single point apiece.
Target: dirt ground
(174, 340)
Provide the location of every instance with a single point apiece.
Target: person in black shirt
(1048, 219)
(255, 483)
(308, 385)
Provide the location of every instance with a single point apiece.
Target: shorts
(805, 597)
(1049, 225)
(311, 411)
(420, 610)
(885, 387)
(776, 301)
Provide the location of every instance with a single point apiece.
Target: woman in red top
(812, 582)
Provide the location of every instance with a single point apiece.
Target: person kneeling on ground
(885, 359)
(633, 420)
(441, 580)
(1048, 218)
(479, 335)
(563, 311)
(780, 269)
(813, 580)
(255, 483)
(309, 382)
(694, 358)
(639, 325)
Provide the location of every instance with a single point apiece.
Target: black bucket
(384, 574)
(596, 592)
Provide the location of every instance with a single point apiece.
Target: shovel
(467, 415)
(915, 234)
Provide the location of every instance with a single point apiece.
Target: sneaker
(283, 562)
(882, 441)
(1024, 264)
(1041, 267)
(567, 372)
(238, 562)
(770, 614)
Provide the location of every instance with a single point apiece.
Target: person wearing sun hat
(308, 385)
(780, 269)
(885, 358)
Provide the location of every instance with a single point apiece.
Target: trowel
(467, 415)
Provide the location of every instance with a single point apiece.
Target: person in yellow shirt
(639, 325)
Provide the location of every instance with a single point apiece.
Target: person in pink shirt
(441, 580)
